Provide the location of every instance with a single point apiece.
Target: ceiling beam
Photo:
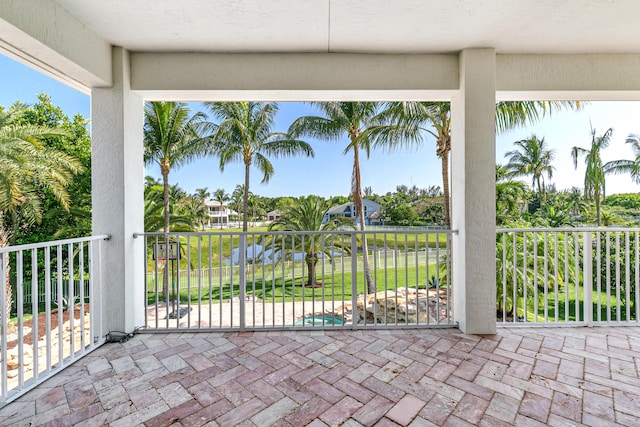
(293, 77)
(592, 77)
(46, 37)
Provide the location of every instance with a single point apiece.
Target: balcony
(278, 354)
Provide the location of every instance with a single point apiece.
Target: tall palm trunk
(164, 170)
(596, 198)
(444, 147)
(311, 258)
(359, 208)
(245, 198)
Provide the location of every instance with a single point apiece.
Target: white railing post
(354, 282)
(4, 318)
(588, 278)
(242, 263)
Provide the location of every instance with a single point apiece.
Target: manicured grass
(334, 287)
(571, 308)
(214, 247)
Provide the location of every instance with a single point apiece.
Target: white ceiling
(380, 26)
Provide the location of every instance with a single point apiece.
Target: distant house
(217, 213)
(376, 218)
(346, 210)
(273, 215)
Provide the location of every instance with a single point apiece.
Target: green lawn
(335, 287)
(565, 306)
(214, 247)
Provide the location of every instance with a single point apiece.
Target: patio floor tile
(521, 376)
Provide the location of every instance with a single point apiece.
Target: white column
(473, 193)
(117, 194)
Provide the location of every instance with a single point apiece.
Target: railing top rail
(40, 245)
(278, 232)
(568, 229)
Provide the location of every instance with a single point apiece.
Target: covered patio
(521, 376)
(470, 53)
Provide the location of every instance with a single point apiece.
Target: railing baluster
(545, 276)
(71, 298)
(504, 276)
(81, 293)
(535, 276)
(617, 234)
(242, 263)
(354, 287)
(4, 317)
(598, 276)
(627, 273)
(555, 277)
(20, 309)
(35, 312)
(60, 307)
(47, 298)
(566, 276)
(637, 269)
(588, 278)
(525, 268)
(608, 274)
(577, 275)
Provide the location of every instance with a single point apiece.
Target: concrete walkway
(522, 376)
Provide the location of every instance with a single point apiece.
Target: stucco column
(117, 196)
(473, 193)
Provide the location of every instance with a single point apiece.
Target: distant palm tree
(632, 167)
(532, 158)
(221, 197)
(437, 115)
(509, 196)
(237, 196)
(154, 213)
(202, 193)
(307, 215)
(193, 208)
(245, 133)
(172, 138)
(366, 125)
(594, 175)
(575, 202)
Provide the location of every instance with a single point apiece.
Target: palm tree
(172, 138)
(632, 167)
(202, 193)
(307, 215)
(245, 134)
(574, 201)
(437, 115)
(594, 180)
(366, 125)
(221, 197)
(26, 165)
(154, 209)
(509, 196)
(193, 208)
(531, 158)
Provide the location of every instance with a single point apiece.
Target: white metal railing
(257, 280)
(570, 276)
(62, 323)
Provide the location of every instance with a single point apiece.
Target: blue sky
(329, 173)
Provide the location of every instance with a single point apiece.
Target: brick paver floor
(521, 376)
